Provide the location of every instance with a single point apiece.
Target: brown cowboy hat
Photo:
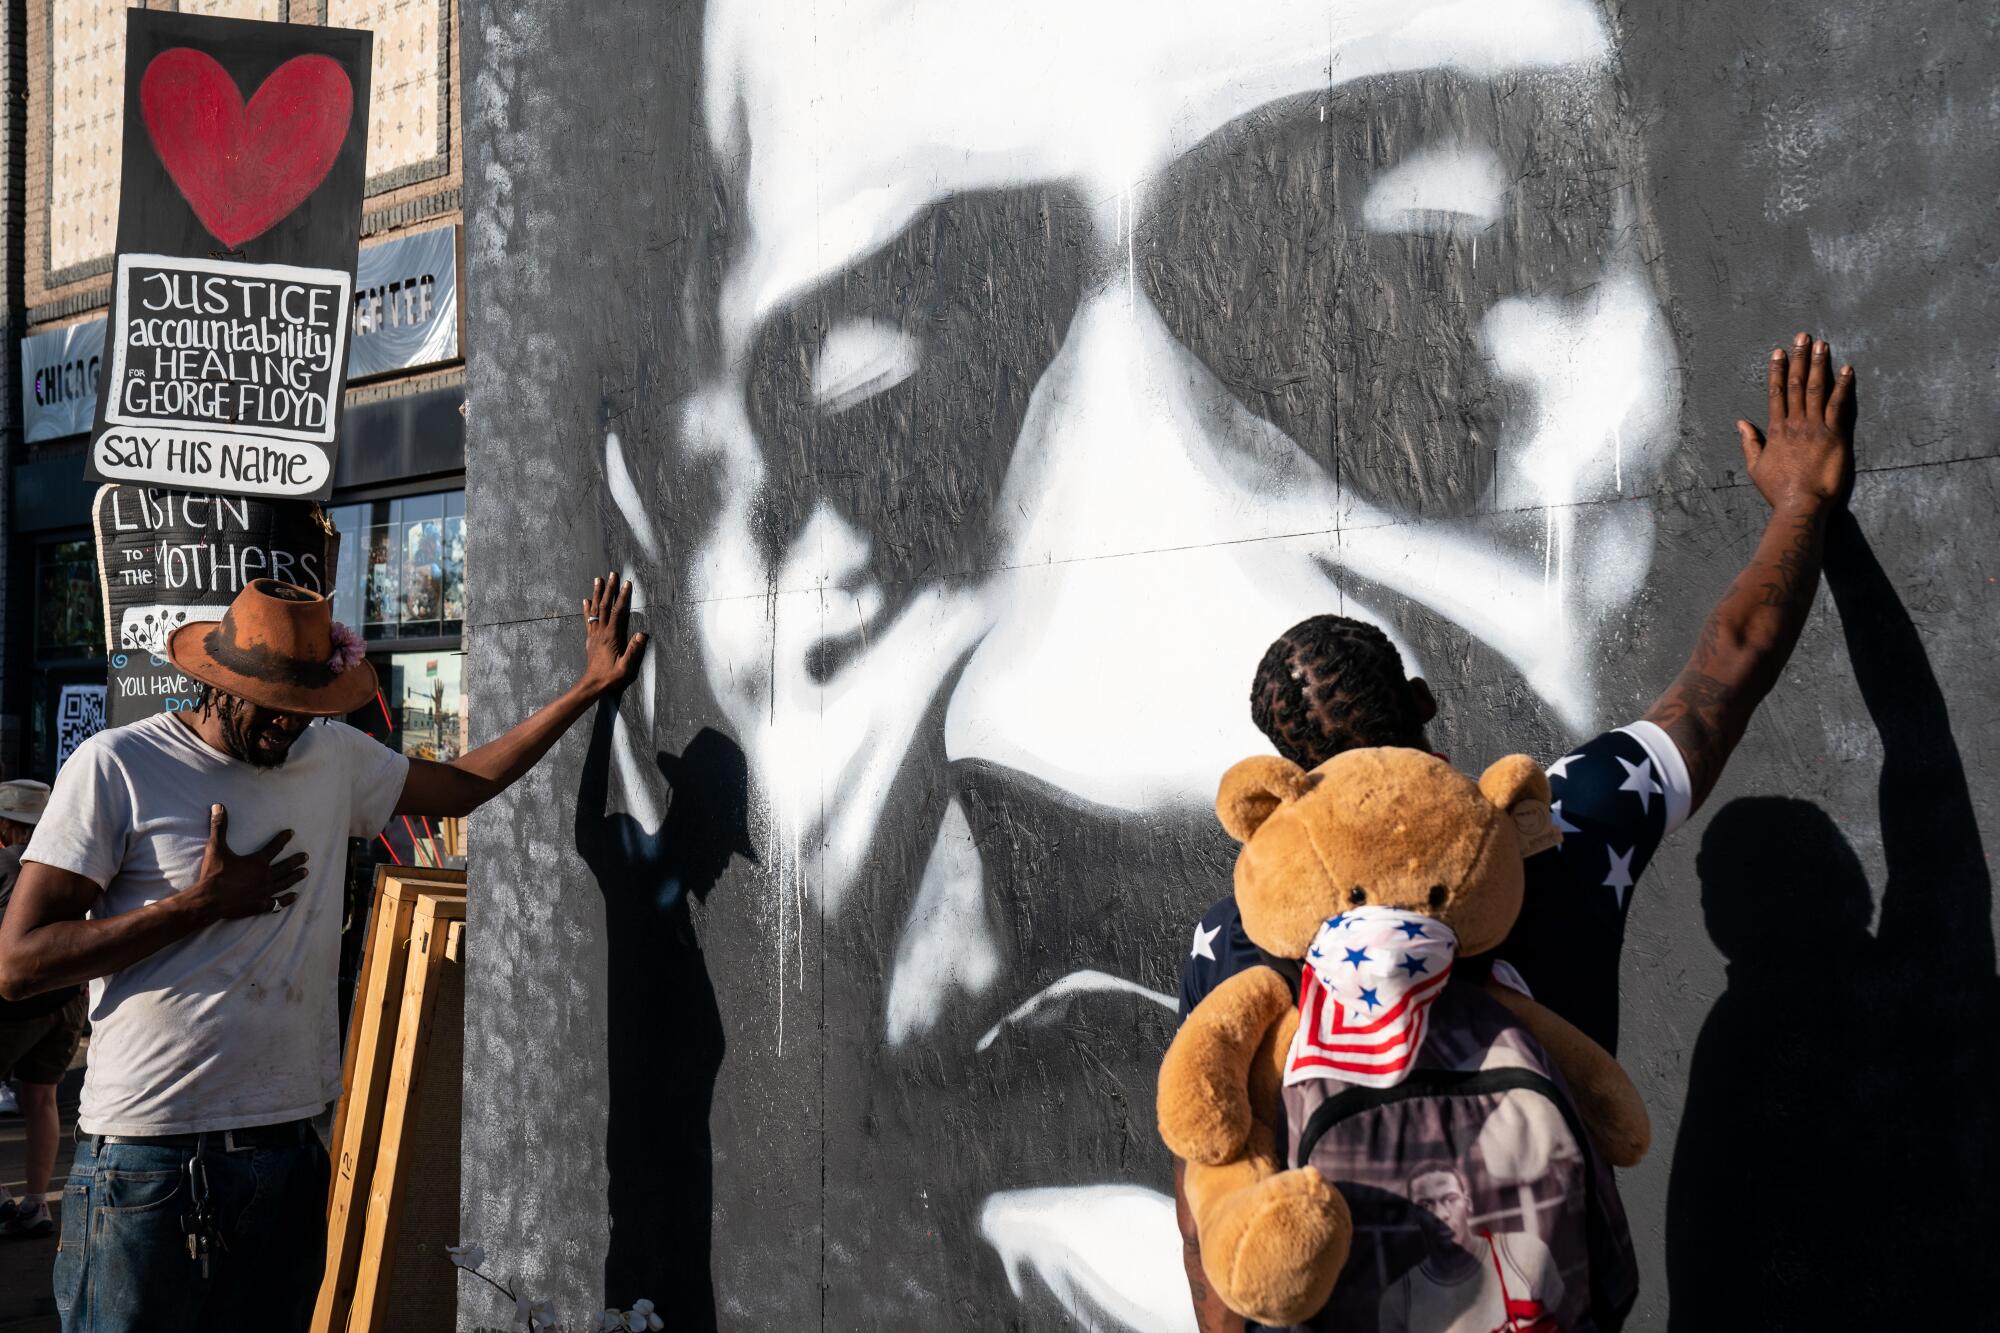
(274, 647)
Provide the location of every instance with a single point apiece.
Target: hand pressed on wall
(1804, 457)
(610, 657)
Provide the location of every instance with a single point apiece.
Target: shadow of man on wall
(664, 1030)
(1835, 1166)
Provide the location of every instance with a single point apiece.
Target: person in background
(38, 1037)
(1332, 684)
(196, 1202)
(26, 798)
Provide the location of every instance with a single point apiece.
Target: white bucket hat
(23, 800)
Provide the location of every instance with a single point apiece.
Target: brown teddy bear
(1392, 828)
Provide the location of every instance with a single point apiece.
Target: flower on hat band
(348, 649)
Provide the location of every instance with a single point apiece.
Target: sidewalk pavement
(26, 1303)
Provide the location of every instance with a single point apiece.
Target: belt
(291, 1134)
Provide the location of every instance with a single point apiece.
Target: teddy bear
(1370, 828)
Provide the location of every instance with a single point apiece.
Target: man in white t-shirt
(196, 1201)
(1470, 1282)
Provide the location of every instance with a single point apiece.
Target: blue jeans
(123, 1263)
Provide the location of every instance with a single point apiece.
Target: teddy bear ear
(1519, 787)
(1253, 788)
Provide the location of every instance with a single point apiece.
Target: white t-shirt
(1515, 1285)
(236, 1024)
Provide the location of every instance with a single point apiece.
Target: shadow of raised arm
(1938, 897)
(664, 1035)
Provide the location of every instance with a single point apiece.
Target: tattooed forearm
(1210, 1314)
(1742, 647)
(1795, 571)
(1694, 711)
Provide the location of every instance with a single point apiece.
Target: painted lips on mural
(243, 168)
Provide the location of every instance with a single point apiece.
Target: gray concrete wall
(975, 391)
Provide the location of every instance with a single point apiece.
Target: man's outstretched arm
(476, 777)
(1803, 466)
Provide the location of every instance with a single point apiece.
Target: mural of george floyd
(973, 392)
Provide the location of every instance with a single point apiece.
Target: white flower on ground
(469, 1255)
(641, 1319)
(611, 1321)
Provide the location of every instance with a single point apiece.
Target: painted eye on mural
(859, 359)
(1438, 190)
(895, 390)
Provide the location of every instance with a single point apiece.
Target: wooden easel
(414, 952)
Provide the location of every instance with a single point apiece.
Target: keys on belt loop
(204, 1237)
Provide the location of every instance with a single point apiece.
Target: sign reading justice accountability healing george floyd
(168, 557)
(258, 346)
(238, 222)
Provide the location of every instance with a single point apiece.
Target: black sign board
(238, 223)
(169, 557)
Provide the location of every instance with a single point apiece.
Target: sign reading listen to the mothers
(226, 351)
(169, 557)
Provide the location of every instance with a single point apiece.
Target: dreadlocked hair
(1331, 684)
(213, 700)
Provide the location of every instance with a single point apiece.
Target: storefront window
(69, 611)
(68, 647)
(402, 566)
(422, 711)
(400, 580)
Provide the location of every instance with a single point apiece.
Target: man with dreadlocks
(197, 1197)
(1331, 684)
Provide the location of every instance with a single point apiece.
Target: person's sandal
(30, 1223)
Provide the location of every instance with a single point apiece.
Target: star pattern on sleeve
(1560, 768)
(1639, 780)
(1618, 878)
(1562, 825)
(1204, 942)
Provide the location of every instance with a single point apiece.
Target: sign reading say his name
(238, 222)
(259, 347)
(169, 557)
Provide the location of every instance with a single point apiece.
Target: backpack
(1479, 1202)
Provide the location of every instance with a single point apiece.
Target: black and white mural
(973, 393)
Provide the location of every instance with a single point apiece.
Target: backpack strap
(1293, 970)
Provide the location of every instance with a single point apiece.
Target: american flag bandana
(1370, 977)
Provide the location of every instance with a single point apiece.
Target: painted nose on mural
(1148, 549)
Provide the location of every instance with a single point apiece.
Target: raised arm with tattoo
(1803, 466)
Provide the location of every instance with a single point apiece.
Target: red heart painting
(244, 168)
